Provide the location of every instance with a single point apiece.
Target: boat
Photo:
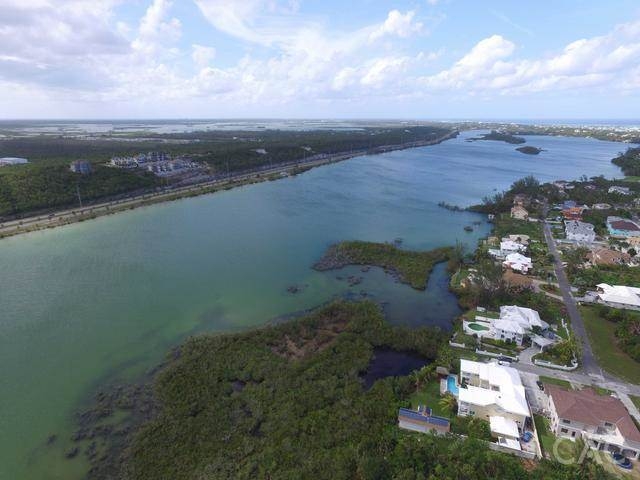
(468, 228)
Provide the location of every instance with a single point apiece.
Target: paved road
(579, 377)
(589, 363)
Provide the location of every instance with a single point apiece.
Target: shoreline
(68, 216)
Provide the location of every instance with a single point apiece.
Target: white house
(602, 421)
(620, 190)
(619, 296)
(4, 161)
(510, 246)
(494, 393)
(518, 263)
(579, 231)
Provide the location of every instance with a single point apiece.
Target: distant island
(501, 137)
(529, 150)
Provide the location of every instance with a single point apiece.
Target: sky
(421, 59)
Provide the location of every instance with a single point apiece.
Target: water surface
(102, 301)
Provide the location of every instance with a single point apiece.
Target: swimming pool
(477, 327)
(451, 385)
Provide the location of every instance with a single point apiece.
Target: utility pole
(78, 192)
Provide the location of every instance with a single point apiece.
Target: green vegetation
(410, 267)
(555, 381)
(47, 182)
(627, 328)
(27, 188)
(286, 402)
(629, 161)
(529, 150)
(429, 395)
(561, 449)
(588, 278)
(606, 347)
(501, 137)
(561, 353)
(635, 400)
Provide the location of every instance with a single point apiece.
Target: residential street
(589, 363)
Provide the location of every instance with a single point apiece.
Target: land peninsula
(288, 401)
(410, 267)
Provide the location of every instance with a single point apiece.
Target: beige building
(519, 212)
(602, 421)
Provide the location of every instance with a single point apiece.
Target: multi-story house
(602, 421)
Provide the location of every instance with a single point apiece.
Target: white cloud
(201, 55)
(397, 23)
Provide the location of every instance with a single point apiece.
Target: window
(565, 421)
(607, 424)
(573, 434)
(564, 430)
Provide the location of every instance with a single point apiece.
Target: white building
(579, 231)
(510, 246)
(620, 190)
(602, 421)
(619, 296)
(494, 393)
(4, 161)
(518, 263)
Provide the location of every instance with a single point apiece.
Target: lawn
(429, 395)
(555, 381)
(603, 343)
(557, 448)
(635, 400)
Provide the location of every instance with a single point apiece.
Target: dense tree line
(629, 161)
(35, 187)
(47, 183)
(280, 403)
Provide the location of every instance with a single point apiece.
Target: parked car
(617, 457)
(626, 464)
(504, 359)
(540, 385)
(527, 436)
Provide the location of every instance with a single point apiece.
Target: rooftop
(586, 406)
(619, 294)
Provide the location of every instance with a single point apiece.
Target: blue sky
(331, 59)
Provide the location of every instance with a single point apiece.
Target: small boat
(468, 228)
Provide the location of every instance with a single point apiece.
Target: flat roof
(504, 426)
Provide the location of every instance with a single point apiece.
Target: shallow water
(102, 301)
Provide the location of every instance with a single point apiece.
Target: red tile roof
(625, 225)
(586, 406)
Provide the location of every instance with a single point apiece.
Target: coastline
(68, 216)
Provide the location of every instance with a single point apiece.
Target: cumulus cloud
(397, 23)
(586, 63)
(202, 55)
(79, 50)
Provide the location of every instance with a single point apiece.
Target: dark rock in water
(52, 439)
(293, 289)
(72, 452)
(397, 241)
(339, 277)
(353, 280)
(366, 268)
(529, 150)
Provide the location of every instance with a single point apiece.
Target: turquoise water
(451, 385)
(101, 302)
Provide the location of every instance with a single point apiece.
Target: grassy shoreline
(409, 267)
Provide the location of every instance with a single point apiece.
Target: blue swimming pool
(451, 385)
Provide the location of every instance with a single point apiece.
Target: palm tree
(449, 403)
